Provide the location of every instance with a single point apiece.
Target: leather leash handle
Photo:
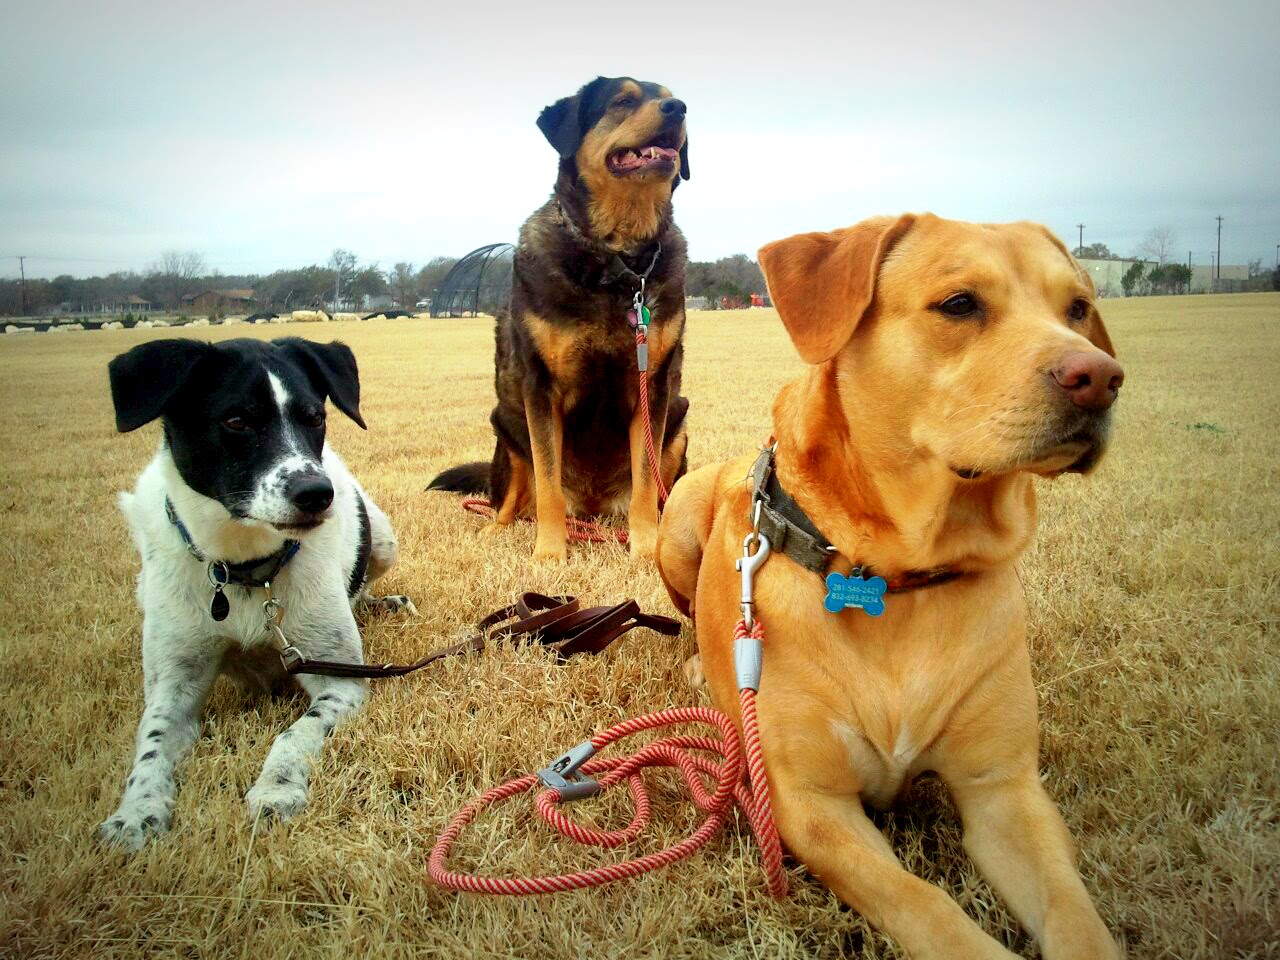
(533, 618)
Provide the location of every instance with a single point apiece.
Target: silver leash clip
(747, 565)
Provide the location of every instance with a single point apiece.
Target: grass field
(1153, 600)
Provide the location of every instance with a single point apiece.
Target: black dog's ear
(684, 159)
(332, 367)
(559, 124)
(144, 379)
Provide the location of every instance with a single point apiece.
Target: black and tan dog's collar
(790, 531)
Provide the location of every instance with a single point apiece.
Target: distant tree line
(179, 273)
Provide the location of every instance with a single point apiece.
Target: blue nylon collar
(252, 573)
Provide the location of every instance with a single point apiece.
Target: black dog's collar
(790, 530)
(251, 573)
(616, 267)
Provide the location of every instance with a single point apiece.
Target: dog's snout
(673, 108)
(310, 493)
(1092, 380)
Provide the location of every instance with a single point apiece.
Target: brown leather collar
(556, 622)
(790, 530)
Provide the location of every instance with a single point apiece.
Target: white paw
(693, 671)
(395, 603)
(277, 796)
(134, 823)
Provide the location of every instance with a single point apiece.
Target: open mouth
(655, 157)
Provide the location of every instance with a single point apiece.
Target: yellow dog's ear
(822, 283)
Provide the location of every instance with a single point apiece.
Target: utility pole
(22, 268)
(1080, 247)
(1278, 255)
(1219, 273)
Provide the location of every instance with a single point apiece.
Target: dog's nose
(673, 107)
(1092, 380)
(311, 493)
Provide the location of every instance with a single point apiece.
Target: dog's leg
(642, 516)
(546, 436)
(176, 690)
(384, 551)
(1016, 836)
(517, 495)
(833, 837)
(281, 789)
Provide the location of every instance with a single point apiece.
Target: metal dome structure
(478, 283)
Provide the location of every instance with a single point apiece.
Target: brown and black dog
(950, 362)
(570, 430)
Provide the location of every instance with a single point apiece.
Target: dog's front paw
(276, 797)
(396, 603)
(134, 823)
(693, 672)
(550, 552)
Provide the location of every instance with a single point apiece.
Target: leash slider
(562, 775)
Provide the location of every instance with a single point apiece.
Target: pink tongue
(638, 158)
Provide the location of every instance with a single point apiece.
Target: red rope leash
(654, 469)
(580, 531)
(751, 794)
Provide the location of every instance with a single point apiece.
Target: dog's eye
(236, 424)
(625, 102)
(313, 418)
(960, 306)
(1079, 309)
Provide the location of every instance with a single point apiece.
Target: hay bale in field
(14, 328)
(307, 316)
(268, 321)
(160, 323)
(144, 325)
(202, 322)
(232, 321)
(66, 327)
(283, 318)
(112, 325)
(346, 316)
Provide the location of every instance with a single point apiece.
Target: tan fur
(624, 213)
(869, 439)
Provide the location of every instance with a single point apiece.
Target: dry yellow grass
(1153, 604)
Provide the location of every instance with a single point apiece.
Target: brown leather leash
(556, 622)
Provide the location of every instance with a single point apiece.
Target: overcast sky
(263, 135)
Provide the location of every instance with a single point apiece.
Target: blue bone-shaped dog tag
(855, 591)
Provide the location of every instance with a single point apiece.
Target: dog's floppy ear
(1097, 333)
(332, 369)
(822, 283)
(561, 123)
(144, 379)
(684, 159)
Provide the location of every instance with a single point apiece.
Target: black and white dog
(244, 502)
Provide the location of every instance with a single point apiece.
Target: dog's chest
(577, 353)
(884, 770)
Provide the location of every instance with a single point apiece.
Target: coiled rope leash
(571, 776)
